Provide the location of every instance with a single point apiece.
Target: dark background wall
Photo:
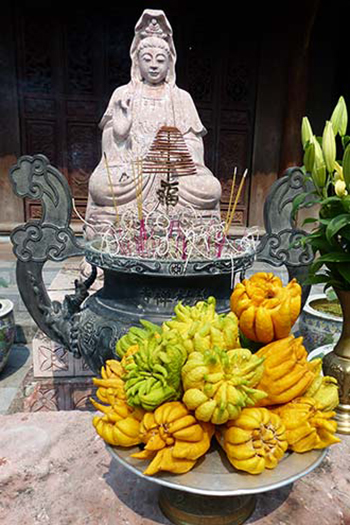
(252, 74)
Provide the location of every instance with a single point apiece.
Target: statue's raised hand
(125, 106)
(122, 118)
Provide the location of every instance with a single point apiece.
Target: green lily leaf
(319, 278)
(344, 270)
(334, 257)
(346, 203)
(334, 283)
(330, 200)
(331, 210)
(324, 221)
(336, 224)
(345, 141)
(321, 245)
(311, 203)
(298, 202)
(345, 233)
(309, 220)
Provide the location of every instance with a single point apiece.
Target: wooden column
(11, 207)
(270, 103)
(299, 33)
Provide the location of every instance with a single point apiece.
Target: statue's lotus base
(185, 508)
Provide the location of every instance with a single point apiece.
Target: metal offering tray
(213, 492)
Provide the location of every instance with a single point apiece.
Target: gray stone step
(13, 375)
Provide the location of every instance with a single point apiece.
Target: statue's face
(154, 65)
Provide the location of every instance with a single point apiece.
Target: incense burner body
(137, 289)
(134, 289)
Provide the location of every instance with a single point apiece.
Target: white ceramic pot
(320, 352)
(7, 330)
(318, 328)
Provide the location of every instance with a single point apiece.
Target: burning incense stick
(232, 213)
(231, 196)
(138, 185)
(111, 188)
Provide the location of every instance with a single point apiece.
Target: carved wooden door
(221, 74)
(69, 65)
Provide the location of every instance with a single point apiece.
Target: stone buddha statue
(135, 114)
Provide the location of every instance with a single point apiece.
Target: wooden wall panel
(11, 207)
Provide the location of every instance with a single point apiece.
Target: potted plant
(321, 320)
(327, 166)
(7, 327)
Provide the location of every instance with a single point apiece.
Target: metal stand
(185, 508)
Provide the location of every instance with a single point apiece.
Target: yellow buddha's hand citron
(120, 424)
(287, 373)
(218, 384)
(173, 439)
(307, 426)
(255, 441)
(266, 309)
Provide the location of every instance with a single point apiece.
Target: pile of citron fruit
(178, 385)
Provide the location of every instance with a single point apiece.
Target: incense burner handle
(48, 238)
(281, 245)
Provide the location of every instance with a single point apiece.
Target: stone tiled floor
(13, 375)
(20, 360)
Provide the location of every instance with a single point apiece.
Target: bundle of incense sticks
(111, 188)
(196, 239)
(231, 209)
(137, 170)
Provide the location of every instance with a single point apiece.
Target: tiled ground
(13, 375)
(20, 360)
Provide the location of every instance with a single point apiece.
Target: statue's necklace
(154, 92)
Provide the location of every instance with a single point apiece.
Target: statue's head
(153, 60)
(152, 51)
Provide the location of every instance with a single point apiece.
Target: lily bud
(339, 117)
(309, 157)
(306, 132)
(338, 171)
(328, 146)
(319, 173)
(346, 167)
(340, 188)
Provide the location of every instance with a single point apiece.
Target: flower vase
(337, 364)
